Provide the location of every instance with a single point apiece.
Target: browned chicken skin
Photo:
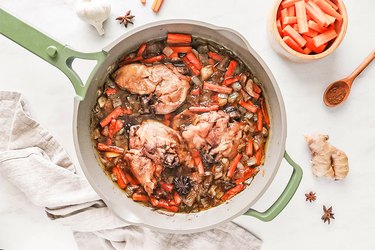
(169, 86)
(214, 133)
(153, 146)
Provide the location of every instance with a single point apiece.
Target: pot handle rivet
(51, 51)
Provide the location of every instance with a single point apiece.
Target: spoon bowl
(337, 92)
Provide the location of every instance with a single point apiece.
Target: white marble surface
(351, 127)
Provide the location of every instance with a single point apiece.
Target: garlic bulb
(94, 12)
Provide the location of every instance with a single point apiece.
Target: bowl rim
(334, 45)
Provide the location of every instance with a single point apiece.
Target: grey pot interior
(135, 213)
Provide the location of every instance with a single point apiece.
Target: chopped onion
(251, 161)
(206, 72)
(264, 132)
(248, 116)
(243, 78)
(236, 86)
(101, 101)
(167, 51)
(232, 97)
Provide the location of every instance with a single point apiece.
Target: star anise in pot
(328, 215)
(126, 19)
(182, 185)
(310, 196)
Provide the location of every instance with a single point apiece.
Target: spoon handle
(362, 66)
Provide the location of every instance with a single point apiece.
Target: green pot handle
(284, 198)
(57, 54)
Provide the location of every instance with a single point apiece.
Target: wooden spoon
(337, 92)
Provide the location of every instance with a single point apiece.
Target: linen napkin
(34, 161)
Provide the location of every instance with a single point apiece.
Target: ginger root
(327, 160)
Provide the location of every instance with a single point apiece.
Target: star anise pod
(182, 184)
(126, 19)
(328, 215)
(310, 196)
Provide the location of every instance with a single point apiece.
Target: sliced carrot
(324, 37)
(311, 33)
(204, 109)
(249, 147)
(330, 19)
(292, 33)
(167, 187)
(249, 106)
(120, 181)
(292, 44)
(194, 60)
(177, 38)
(156, 5)
(290, 20)
(140, 197)
(233, 165)
(217, 88)
(141, 49)
(260, 120)
(132, 181)
(230, 70)
(327, 8)
(198, 161)
(278, 25)
(307, 51)
(215, 56)
(283, 15)
(332, 5)
(193, 69)
(113, 115)
(310, 45)
(154, 59)
(265, 113)
(181, 49)
(131, 60)
(177, 198)
(319, 18)
(288, 3)
(314, 26)
(110, 91)
(249, 172)
(259, 156)
(114, 127)
(232, 192)
(231, 80)
(256, 88)
(301, 17)
(319, 11)
(291, 11)
(173, 55)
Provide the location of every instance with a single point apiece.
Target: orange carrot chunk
(283, 15)
(215, 56)
(319, 11)
(249, 172)
(292, 44)
(292, 33)
(120, 181)
(265, 112)
(327, 8)
(154, 59)
(204, 109)
(231, 80)
(176, 38)
(194, 60)
(324, 37)
(290, 20)
(291, 11)
(140, 197)
(230, 70)
(310, 45)
(301, 17)
(249, 106)
(232, 192)
(260, 120)
(113, 115)
(330, 19)
(288, 3)
(249, 148)
(198, 161)
(311, 33)
(182, 49)
(278, 25)
(319, 18)
(217, 88)
(233, 165)
(314, 26)
(332, 5)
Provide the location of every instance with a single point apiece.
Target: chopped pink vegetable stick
(317, 17)
(290, 20)
(326, 8)
(314, 26)
(330, 19)
(332, 4)
(320, 11)
(288, 3)
(291, 11)
(292, 44)
(294, 35)
(301, 17)
(283, 13)
(324, 37)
